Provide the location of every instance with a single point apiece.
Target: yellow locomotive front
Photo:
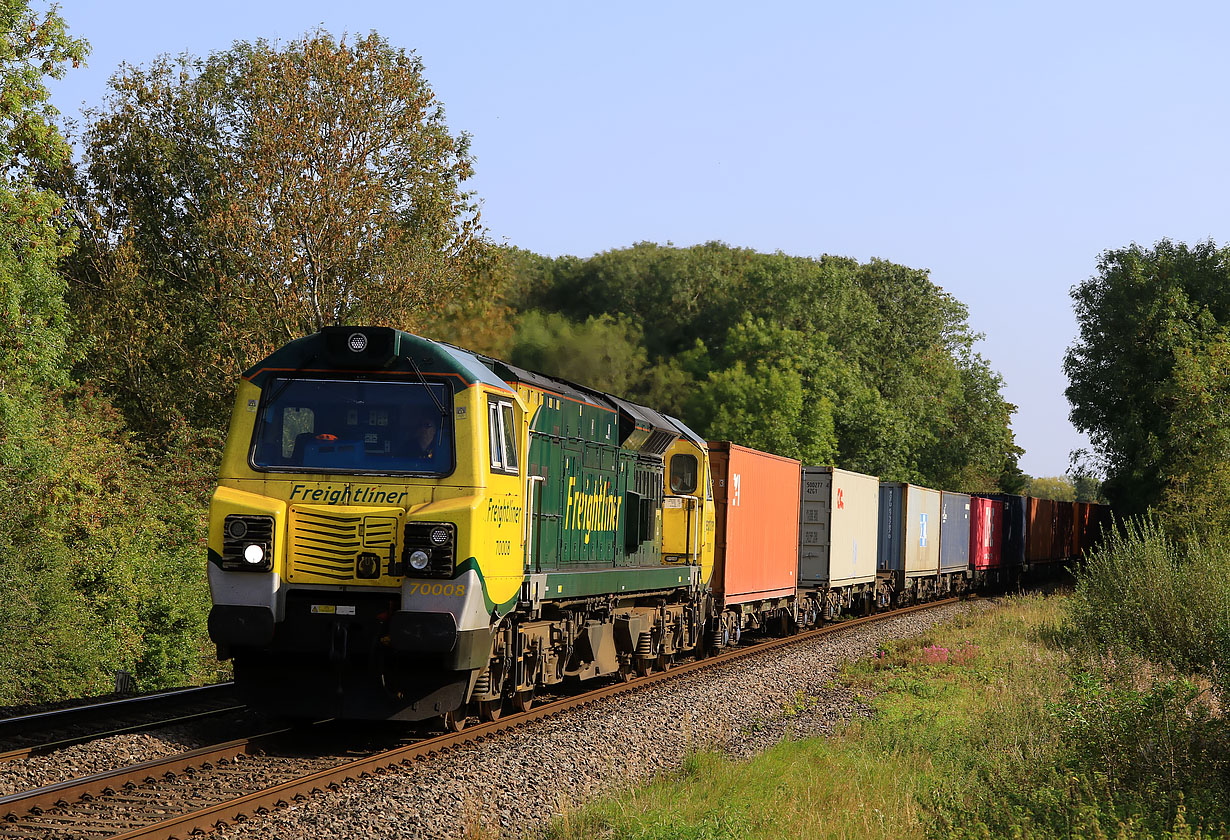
(368, 527)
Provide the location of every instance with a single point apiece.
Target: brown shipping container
(1041, 523)
(757, 501)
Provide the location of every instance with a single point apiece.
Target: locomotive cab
(367, 526)
(688, 515)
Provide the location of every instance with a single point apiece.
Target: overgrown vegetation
(98, 534)
(1146, 594)
(986, 727)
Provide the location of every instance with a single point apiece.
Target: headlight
(428, 549)
(247, 542)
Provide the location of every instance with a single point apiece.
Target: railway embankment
(1016, 722)
(513, 786)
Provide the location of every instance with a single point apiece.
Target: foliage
(771, 389)
(101, 560)
(1148, 377)
(230, 228)
(1056, 487)
(603, 352)
(33, 233)
(99, 554)
(868, 365)
(1082, 473)
(1143, 593)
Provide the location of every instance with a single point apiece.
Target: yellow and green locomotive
(404, 530)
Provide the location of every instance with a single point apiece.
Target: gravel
(104, 754)
(512, 785)
(93, 757)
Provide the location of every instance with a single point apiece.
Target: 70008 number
(449, 590)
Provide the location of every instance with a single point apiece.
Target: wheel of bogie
(786, 627)
(626, 673)
(455, 721)
(644, 666)
(523, 701)
(665, 661)
(490, 710)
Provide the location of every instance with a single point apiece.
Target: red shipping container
(986, 533)
(757, 541)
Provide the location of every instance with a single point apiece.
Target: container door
(815, 529)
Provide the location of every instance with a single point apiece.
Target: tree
(800, 354)
(604, 353)
(1147, 374)
(771, 388)
(94, 544)
(34, 236)
(257, 196)
(1056, 487)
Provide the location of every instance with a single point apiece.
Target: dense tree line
(224, 205)
(867, 365)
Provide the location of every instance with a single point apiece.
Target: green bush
(101, 565)
(1144, 593)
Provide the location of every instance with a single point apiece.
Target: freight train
(406, 530)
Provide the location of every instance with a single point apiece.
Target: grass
(985, 727)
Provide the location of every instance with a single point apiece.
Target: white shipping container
(838, 527)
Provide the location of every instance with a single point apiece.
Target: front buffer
(360, 655)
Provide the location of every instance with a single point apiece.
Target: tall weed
(1145, 593)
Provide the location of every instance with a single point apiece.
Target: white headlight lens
(254, 554)
(419, 560)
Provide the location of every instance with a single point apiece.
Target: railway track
(45, 732)
(205, 789)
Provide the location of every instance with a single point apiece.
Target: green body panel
(581, 515)
(606, 581)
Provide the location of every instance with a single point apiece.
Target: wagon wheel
(626, 673)
(490, 710)
(523, 701)
(666, 661)
(644, 665)
(785, 624)
(455, 721)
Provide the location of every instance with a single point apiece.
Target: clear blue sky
(1003, 146)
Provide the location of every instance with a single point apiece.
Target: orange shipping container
(757, 501)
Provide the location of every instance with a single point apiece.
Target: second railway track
(45, 732)
(215, 786)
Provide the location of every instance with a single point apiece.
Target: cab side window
(502, 436)
(683, 473)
